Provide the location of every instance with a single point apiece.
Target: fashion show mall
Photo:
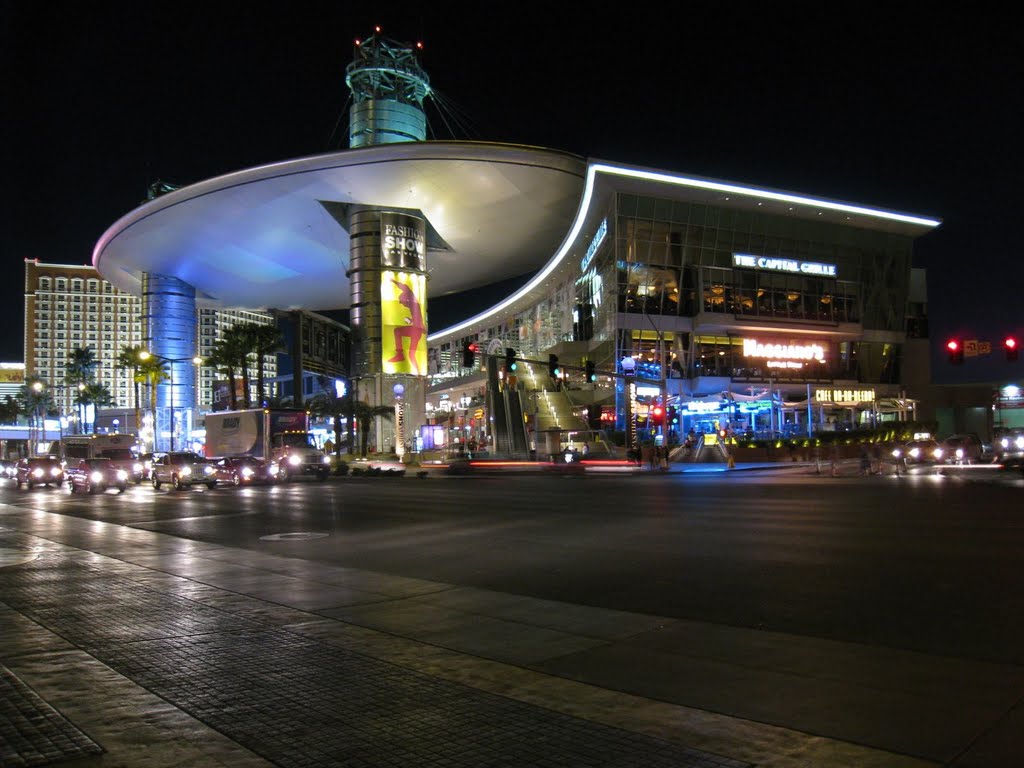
(658, 303)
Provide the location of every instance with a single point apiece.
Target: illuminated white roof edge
(666, 178)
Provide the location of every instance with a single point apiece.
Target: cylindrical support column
(364, 284)
(169, 334)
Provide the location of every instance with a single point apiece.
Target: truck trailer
(276, 435)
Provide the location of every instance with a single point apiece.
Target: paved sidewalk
(166, 652)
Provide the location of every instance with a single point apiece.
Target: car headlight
(1020, 443)
(137, 467)
(1004, 442)
(294, 459)
(959, 453)
(327, 459)
(273, 469)
(247, 472)
(186, 470)
(122, 475)
(915, 452)
(896, 452)
(96, 477)
(37, 472)
(208, 470)
(937, 453)
(55, 472)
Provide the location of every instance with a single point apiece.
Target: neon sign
(783, 265)
(844, 395)
(753, 348)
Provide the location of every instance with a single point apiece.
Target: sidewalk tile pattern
(32, 733)
(304, 703)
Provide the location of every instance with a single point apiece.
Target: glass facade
(719, 298)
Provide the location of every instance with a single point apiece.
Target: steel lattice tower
(388, 89)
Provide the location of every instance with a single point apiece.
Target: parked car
(962, 449)
(183, 469)
(96, 476)
(244, 470)
(41, 470)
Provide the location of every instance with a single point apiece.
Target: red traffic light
(955, 351)
(1011, 347)
(1011, 343)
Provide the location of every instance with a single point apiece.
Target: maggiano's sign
(792, 356)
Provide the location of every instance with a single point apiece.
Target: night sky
(913, 113)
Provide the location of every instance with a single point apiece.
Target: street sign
(970, 348)
(984, 347)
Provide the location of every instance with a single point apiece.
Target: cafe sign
(843, 396)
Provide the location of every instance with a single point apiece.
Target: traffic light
(510, 360)
(956, 352)
(469, 350)
(657, 414)
(591, 371)
(1010, 345)
(553, 370)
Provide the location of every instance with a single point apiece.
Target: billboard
(403, 241)
(403, 301)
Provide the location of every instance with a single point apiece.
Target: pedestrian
(833, 459)
(865, 460)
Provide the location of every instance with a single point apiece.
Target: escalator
(508, 425)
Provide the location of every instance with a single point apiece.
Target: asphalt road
(923, 563)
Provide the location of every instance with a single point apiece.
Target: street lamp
(195, 360)
(37, 387)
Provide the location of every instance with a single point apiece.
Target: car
(39, 470)
(244, 470)
(96, 476)
(123, 458)
(182, 469)
(8, 468)
(962, 449)
(925, 451)
(1008, 448)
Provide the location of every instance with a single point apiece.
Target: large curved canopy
(270, 236)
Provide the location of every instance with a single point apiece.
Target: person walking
(833, 459)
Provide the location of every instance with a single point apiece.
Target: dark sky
(917, 113)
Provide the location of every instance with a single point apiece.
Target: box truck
(276, 435)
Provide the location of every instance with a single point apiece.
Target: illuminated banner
(594, 245)
(783, 265)
(403, 241)
(790, 356)
(403, 301)
(844, 396)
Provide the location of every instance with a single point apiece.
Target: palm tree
(152, 371)
(337, 408)
(128, 360)
(35, 401)
(9, 410)
(364, 414)
(78, 371)
(235, 346)
(224, 360)
(265, 340)
(94, 394)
